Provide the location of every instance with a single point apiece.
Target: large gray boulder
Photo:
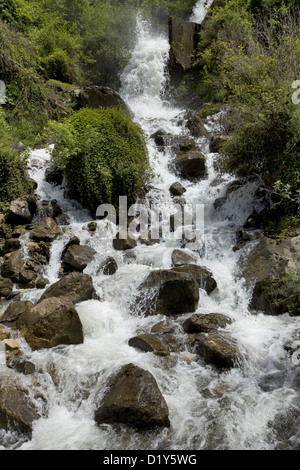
(191, 165)
(184, 37)
(133, 398)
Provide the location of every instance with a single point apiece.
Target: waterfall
(200, 10)
(208, 409)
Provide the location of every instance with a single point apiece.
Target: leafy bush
(103, 155)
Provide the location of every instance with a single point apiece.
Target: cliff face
(184, 38)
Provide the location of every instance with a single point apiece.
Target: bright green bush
(103, 155)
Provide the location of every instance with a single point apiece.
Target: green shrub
(103, 155)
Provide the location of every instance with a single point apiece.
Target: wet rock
(102, 97)
(15, 309)
(219, 350)
(47, 231)
(54, 175)
(205, 323)
(124, 243)
(195, 124)
(133, 399)
(4, 333)
(149, 343)
(17, 410)
(168, 292)
(202, 275)
(158, 137)
(78, 257)
(11, 345)
(177, 189)
(50, 323)
(6, 288)
(20, 365)
(12, 266)
(78, 287)
(27, 276)
(41, 282)
(272, 271)
(191, 165)
(181, 258)
(108, 267)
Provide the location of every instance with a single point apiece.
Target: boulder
(4, 333)
(47, 231)
(191, 165)
(125, 243)
(168, 292)
(78, 257)
(219, 349)
(184, 37)
(21, 210)
(12, 266)
(17, 409)
(15, 309)
(202, 275)
(20, 365)
(6, 288)
(108, 267)
(195, 125)
(11, 244)
(272, 271)
(216, 142)
(205, 323)
(54, 175)
(102, 97)
(148, 342)
(50, 323)
(78, 287)
(181, 258)
(133, 399)
(176, 189)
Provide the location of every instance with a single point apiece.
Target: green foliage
(103, 155)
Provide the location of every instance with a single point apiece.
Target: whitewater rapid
(208, 409)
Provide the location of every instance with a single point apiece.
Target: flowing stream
(208, 409)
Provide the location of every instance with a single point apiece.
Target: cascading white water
(200, 11)
(208, 409)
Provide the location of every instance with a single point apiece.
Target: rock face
(134, 399)
(47, 231)
(200, 323)
(168, 292)
(77, 257)
(274, 269)
(102, 97)
(219, 350)
(17, 410)
(184, 38)
(50, 323)
(75, 286)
